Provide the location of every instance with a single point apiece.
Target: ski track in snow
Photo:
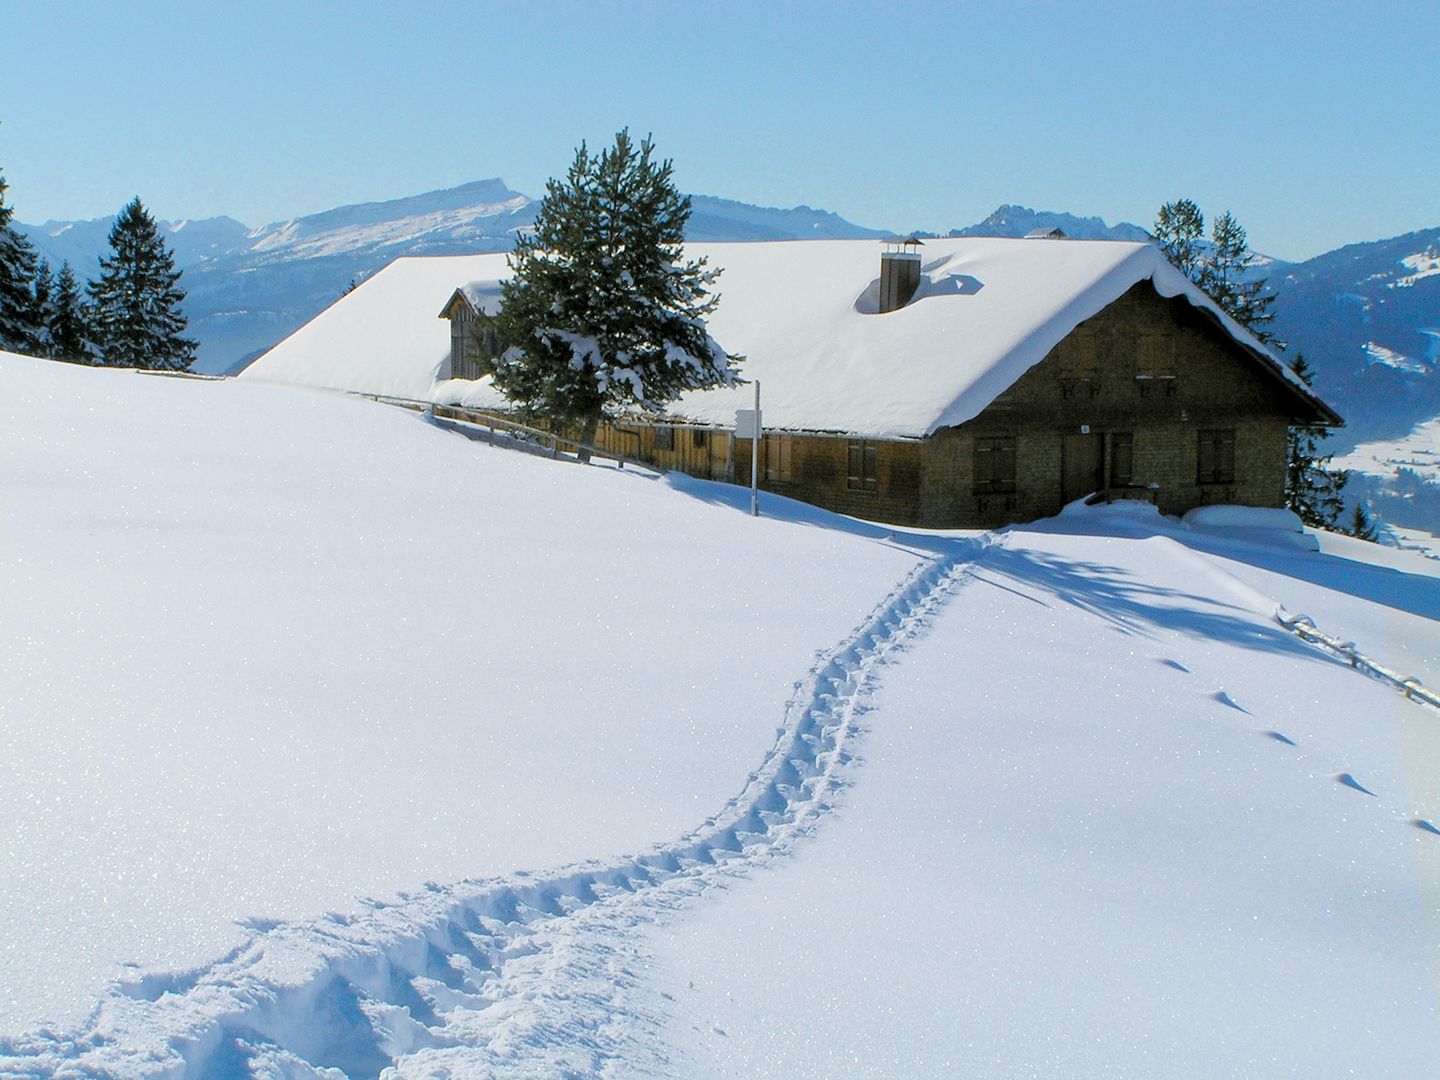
(523, 975)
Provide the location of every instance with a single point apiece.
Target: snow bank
(1258, 524)
(1244, 517)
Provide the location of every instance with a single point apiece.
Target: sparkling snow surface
(801, 313)
(265, 652)
(1063, 801)
(1106, 824)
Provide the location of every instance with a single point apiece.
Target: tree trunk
(587, 438)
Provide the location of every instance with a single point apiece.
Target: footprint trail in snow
(523, 975)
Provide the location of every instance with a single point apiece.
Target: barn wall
(1145, 367)
(1107, 383)
(819, 471)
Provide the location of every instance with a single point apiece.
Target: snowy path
(551, 974)
(515, 976)
(1112, 821)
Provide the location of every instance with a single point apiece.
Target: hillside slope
(1367, 318)
(1109, 823)
(267, 652)
(697, 794)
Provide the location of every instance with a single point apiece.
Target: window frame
(864, 479)
(1218, 445)
(1080, 355)
(1155, 355)
(778, 451)
(994, 463)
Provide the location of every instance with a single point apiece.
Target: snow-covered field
(1401, 478)
(334, 740)
(1418, 451)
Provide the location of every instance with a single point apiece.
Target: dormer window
(472, 338)
(463, 358)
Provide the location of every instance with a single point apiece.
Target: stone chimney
(899, 273)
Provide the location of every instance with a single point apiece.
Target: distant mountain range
(1367, 318)
(249, 288)
(1011, 220)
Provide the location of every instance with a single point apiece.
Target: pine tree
(1223, 275)
(1312, 489)
(42, 306)
(602, 313)
(18, 329)
(136, 303)
(1361, 525)
(69, 323)
(1180, 235)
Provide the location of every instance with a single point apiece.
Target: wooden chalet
(969, 383)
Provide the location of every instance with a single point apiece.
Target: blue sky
(1315, 123)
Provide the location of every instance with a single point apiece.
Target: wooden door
(1082, 467)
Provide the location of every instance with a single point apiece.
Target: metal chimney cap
(903, 242)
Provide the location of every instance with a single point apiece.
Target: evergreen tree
(69, 322)
(1312, 489)
(136, 303)
(1180, 235)
(602, 313)
(1361, 526)
(42, 306)
(18, 329)
(1223, 276)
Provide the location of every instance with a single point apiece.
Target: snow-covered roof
(803, 314)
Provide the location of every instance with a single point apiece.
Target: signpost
(747, 424)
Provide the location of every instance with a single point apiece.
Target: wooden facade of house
(1151, 398)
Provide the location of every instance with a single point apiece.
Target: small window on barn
(1080, 355)
(664, 438)
(699, 439)
(777, 459)
(1122, 459)
(861, 474)
(1155, 356)
(995, 464)
(1216, 457)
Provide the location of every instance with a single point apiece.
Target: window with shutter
(861, 475)
(995, 464)
(1155, 356)
(1080, 355)
(777, 459)
(1216, 457)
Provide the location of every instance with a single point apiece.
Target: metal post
(755, 457)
